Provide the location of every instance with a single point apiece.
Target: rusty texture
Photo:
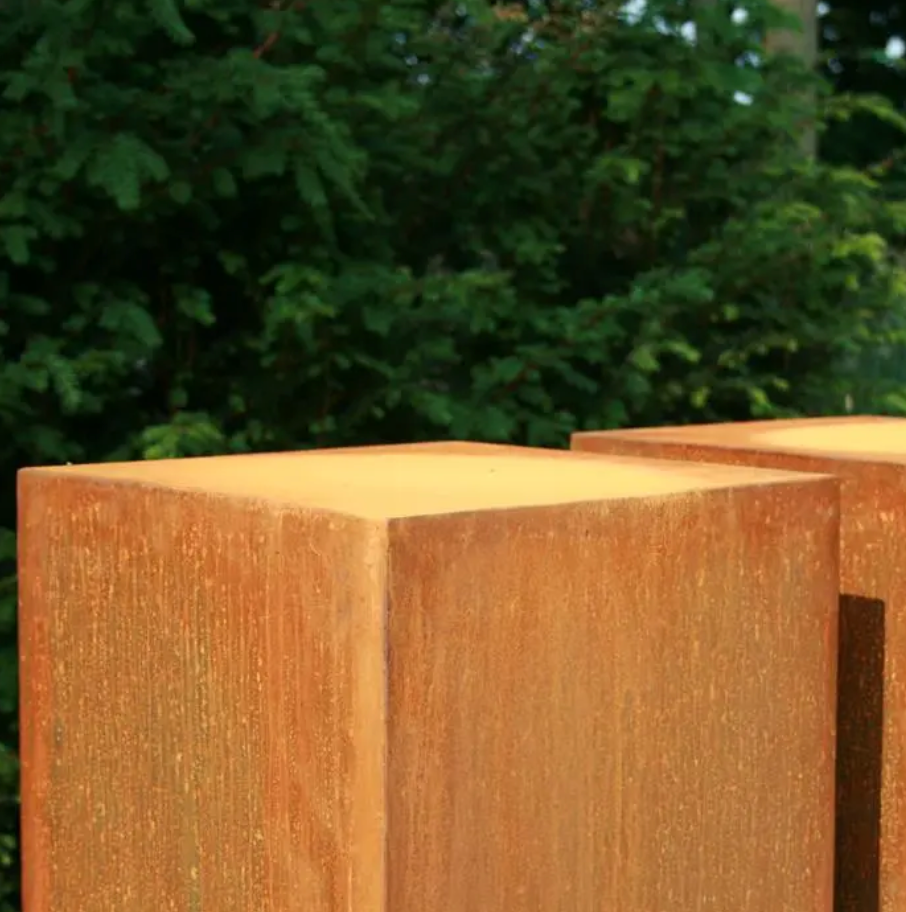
(868, 454)
(427, 679)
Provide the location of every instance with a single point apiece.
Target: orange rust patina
(427, 679)
(868, 454)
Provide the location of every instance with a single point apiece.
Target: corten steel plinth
(427, 679)
(869, 455)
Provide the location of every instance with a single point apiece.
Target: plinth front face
(868, 454)
(620, 706)
(448, 679)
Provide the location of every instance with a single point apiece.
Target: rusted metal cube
(451, 678)
(868, 454)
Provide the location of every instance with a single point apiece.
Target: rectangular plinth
(868, 454)
(427, 679)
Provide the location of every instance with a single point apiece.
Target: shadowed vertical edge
(35, 698)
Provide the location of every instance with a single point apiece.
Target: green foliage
(228, 227)
(9, 806)
(866, 130)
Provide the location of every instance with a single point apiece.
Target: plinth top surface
(426, 479)
(870, 438)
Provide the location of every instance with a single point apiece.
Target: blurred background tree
(863, 61)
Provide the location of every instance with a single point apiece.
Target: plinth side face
(868, 455)
(483, 689)
(202, 703)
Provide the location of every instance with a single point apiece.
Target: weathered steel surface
(427, 679)
(868, 454)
